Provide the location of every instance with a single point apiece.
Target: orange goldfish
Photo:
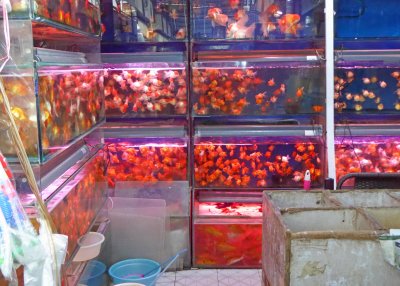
(289, 24)
(260, 98)
(299, 92)
(271, 82)
(216, 16)
(234, 4)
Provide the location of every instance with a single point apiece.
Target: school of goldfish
(367, 155)
(80, 14)
(272, 19)
(229, 245)
(236, 92)
(370, 93)
(146, 163)
(70, 103)
(142, 91)
(75, 213)
(230, 209)
(255, 166)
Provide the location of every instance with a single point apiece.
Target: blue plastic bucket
(132, 270)
(94, 274)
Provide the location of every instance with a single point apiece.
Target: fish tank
(82, 16)
(74, 188)
(367, 85)
(147, 154)
(53, 102)
(258, 85)
(227, 229)
(366, 19)
(145, 85)
(367, 149)
(258, 20)
(256, 156)
(144, 21)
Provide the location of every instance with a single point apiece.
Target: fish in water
(217, 18)
(289, 24)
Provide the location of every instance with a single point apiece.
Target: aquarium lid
(257, 131)
(124, 58)
(370, 130)
(145, 132)
(368, 55)
(47, 56)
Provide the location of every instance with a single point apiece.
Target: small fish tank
(366, 19)
(145, 85)
(243, 156)
(80, 15)
(53, 104)
(227, 229)
(367, 84)
(367, 149)
(147, 154)
(258, 85)
(144, 21)
(254, 19)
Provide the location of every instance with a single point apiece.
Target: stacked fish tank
(54, 100)
(367, 95)
(257, 20)
(227, 229)
(54, 84)
(258, 109)
(149, 162)
(82, 16)
(145, 85)
(144, 21)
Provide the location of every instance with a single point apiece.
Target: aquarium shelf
(375, 44)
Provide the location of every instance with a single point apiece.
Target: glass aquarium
(367, 19)
(75, 206)
(367, 84)
(367, 149)
(53, 104)
(240, 156)
(147, 154)
(145, 85)
(256, 19)
(144, 21)
(261, 85)
(227, 229)
(80, 15)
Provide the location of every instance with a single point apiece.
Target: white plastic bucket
(89, 246)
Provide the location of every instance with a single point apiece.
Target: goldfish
(181, 34)
(217, 18)
(267, 28)
(366, 80)
(272, 10)
(234, 4)
(317, 108)
(395, 74)
(174, 14)
(271, 82)
(382, 84)
(289, 24)
(299, 92)
(260, 98)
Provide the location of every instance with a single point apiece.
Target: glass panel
(251, 162)
(227, 243)
(258, 88)
(252, 19)
(146, 90)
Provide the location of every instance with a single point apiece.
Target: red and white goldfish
(217, 18)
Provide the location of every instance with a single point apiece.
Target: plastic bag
(5, 7)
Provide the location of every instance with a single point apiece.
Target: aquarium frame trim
(329, 85)
(146, 57)
(257, 131)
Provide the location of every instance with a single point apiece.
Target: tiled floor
(212, 277)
